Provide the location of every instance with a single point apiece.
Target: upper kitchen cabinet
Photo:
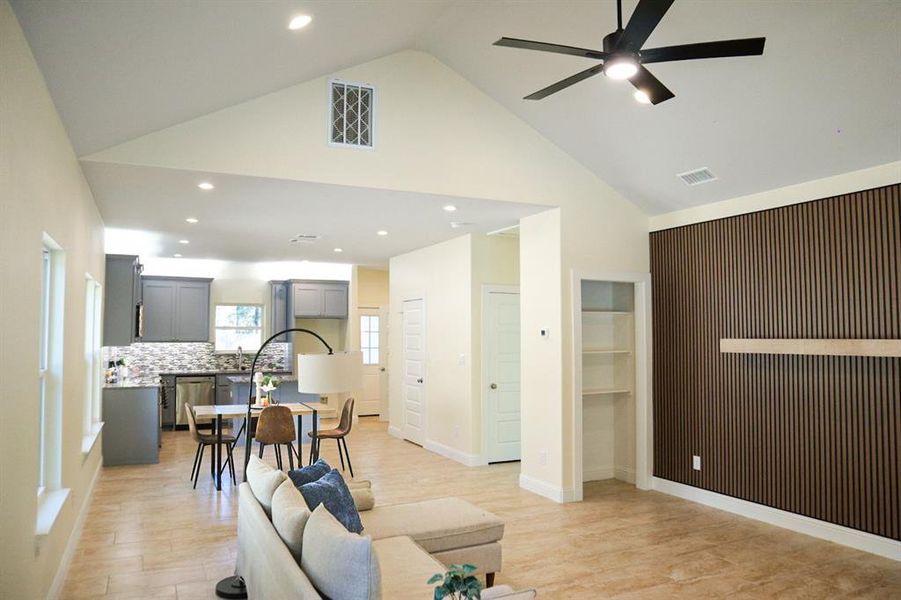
(122, 300)
(176, 309)
(320, 299)
(281, 316)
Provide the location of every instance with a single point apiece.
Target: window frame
(93, 364)
(369, 334)
(330, 115)
(50, 368)
(217, 327)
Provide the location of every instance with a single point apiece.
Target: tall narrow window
(43, 369)
(50, 366)
(351, 114)
(369, 339)
(92, 367)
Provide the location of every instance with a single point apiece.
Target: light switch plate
(696, 463)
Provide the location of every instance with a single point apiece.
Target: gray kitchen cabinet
(122, 298)
(176, 309)
(223, 390)
(282, 314)
(320, 299)
(131, 430)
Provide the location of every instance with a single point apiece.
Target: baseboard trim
(395, 431)
(536, 486)
(597, 473)
(470, 460)
(69, 553)
(838, 534)
(624, 474)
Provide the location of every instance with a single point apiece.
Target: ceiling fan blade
(650, 85)
(643, 21)
(546, 47)
(565, 83)
(745, 47)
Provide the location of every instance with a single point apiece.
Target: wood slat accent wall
(814, 435)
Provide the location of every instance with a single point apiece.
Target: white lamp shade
(329, 373)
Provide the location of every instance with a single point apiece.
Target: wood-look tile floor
(149, 535)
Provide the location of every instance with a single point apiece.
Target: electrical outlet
(457, 431)
(542, 458)
(461, 360)
(696, 463)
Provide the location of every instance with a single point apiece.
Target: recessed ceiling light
(339, 250)
(621, 67)
(642, 97)
(177, 255)
(299, 22)
(205, 185)
(381, 232)
(449, 207)
(184, 241)
(191, 220)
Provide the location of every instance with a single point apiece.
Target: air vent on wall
(350, 120)
(697, 177)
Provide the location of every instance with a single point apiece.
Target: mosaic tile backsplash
(147, 361)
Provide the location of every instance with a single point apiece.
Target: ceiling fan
(624, 58)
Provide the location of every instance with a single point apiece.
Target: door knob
(382, 369)
(493, 386)
(419, 380)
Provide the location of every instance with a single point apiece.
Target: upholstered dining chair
(208, 439)
(276, 427)
(339, 434)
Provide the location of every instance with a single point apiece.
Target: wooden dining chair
(208, 439)
(276, 427)
(339, 434)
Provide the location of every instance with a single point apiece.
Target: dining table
(219, 412)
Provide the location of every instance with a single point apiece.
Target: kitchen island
(131, 416)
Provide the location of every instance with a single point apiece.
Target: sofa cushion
(263, 480)
(436, 525)
(407, 568)
(289, 517)
(331, 491)
(342, 565)
(309, 474)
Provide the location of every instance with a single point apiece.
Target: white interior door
(501, 376)
(371, 338)
(383, 365)
(414, 370)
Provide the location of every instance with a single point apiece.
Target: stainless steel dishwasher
(199, 391)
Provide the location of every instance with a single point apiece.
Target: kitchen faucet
(239, 355)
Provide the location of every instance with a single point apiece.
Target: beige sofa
(411, 541)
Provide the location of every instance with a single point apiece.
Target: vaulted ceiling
(821, 101)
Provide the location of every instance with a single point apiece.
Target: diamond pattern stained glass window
(351, 114)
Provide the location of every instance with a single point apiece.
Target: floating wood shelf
(600, 392)
(606, 351)
(605, 311)
(842, 347)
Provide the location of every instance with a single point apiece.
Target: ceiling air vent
(350, 118)
(697, 177)
(304, 238)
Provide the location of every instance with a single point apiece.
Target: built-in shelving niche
(608, 381)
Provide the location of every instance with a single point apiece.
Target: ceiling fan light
(642, 97)
(621, 67)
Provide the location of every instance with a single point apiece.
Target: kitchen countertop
(133, 383)
(212, 373)
(282, 376)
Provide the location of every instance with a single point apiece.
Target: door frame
(409, 297)
(487, 289)
(644, 421)
(381, 311)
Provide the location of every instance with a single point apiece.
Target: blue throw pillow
(309, 474)
(331, 491)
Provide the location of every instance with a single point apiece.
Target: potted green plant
(458, 583)
(270, 383)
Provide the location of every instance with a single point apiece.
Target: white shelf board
(605, 351)
(604, 311)
(820, 347)
(604, 391)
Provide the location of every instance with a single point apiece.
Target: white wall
(43, 190)
(853, 181)
(442, 274)
(437, 133)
